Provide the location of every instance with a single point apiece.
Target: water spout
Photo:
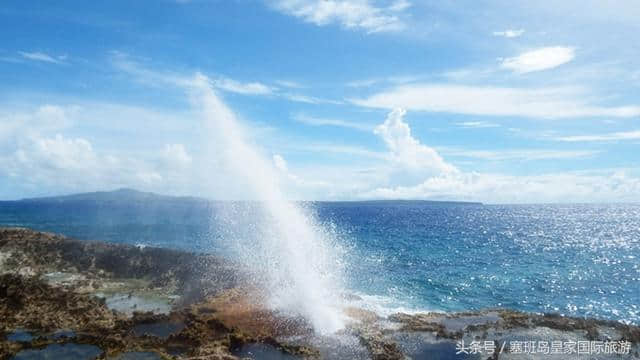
(290, 252)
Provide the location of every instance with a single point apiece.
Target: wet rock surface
(63, 298)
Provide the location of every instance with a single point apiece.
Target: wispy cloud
(150, 76)
(399, 5)
(539, 59)
(394, 80)
(43, 57)
(477, 124)
(509, 33)
(125, 63)
(246, 88)
(350, 14)
(561, 102)
(517, 154)
(615, 136)
(308, 99)
(289, 84)
(342, 149)
(316, 121)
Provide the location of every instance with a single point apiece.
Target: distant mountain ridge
(133, 195)
(122, 194)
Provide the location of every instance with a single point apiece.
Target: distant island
(133, 195)
(122, 194)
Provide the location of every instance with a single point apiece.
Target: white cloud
(308, 99)
(539, 59)
(35, 120)
(17, 124)
(517, 154)
(250, 88)
(400, 5)
(156, 78)
(622, 135)
(477, 124)
(395, 80)
(343, 150)
(294, 181)
(509, 33)
(289, 84)
(57, 161)
(42, 57)
(499, 101)
(408, 151)
(176, 156)
(60, 153)
(72, 164)
(446, 182)
(124, 62)
(351, 14)
(363, 83)
(315, 121)
(179, 81)
(280, 163)
(34, 162)
(603, 186)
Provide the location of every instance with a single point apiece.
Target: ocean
(579, 260)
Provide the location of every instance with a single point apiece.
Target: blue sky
(492, 101)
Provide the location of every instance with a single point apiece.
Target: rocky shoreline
(66, 298)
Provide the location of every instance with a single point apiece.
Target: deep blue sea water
(581, 260)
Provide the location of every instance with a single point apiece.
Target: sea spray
(290, 253)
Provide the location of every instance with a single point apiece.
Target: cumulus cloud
(59, 153)
(539, 59)
(444, 181)
(397, 174)
(550, 103)
(509, 33)
(408, 151)
(57, 160)
(43, 119)
(35, 162)
(176, 156)
(350, 14)
(493, 188)
(71, 164)
(407, 169)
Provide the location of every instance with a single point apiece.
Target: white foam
(387, 305)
